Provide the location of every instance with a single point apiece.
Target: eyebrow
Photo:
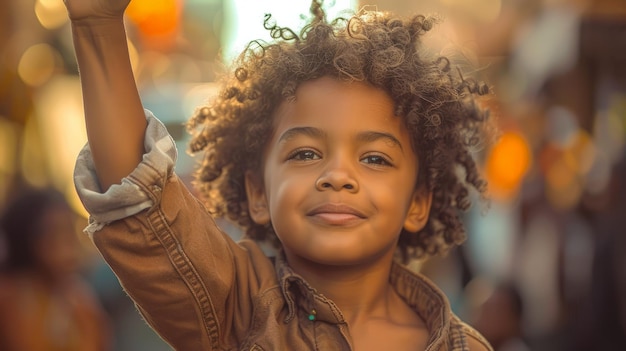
(307, 131)
(368, 137)
(374, 136)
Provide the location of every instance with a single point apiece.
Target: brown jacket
(202, 291)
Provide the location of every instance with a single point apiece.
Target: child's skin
(334, 186)
(338, 177)
(113, 112)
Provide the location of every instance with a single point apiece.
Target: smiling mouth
(336, 215)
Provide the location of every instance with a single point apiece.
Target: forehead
(337, 107)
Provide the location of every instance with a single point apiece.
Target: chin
(341, 258)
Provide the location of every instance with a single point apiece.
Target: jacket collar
(423, 296)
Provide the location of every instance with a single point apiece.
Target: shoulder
(475, 344)
(475, 340)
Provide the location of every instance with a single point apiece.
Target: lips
(336, 214)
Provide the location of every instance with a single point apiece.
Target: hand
(79, 10)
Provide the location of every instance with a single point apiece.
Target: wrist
(99, 39)
(103, 25)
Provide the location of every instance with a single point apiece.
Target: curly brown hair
(438, 106)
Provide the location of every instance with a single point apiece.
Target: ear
(257, 201)
(419, 209)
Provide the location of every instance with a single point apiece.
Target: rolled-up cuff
(127, 198)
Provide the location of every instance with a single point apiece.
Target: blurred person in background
(44, 303)
(499, 319)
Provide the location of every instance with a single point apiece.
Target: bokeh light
(507, 164)
(563, 184)
(51, 13)
(158, 20)
(37, 64)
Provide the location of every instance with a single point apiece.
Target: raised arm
(113, 112)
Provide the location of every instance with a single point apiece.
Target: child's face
(339, 177)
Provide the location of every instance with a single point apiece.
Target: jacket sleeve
(190, 281)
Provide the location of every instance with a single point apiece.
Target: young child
(345, 142)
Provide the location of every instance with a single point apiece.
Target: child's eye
(304, 155)
(376, 160)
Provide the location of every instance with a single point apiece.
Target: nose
(336, 177)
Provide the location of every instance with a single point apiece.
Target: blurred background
(544, 267)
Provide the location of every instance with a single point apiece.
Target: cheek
(395, 192)
(285, 191)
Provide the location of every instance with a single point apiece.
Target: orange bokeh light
(158, 21)
(507, 164)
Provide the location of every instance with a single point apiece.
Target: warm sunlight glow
(33, 163)
(62, 128)
(480, 10)
(244, 19)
